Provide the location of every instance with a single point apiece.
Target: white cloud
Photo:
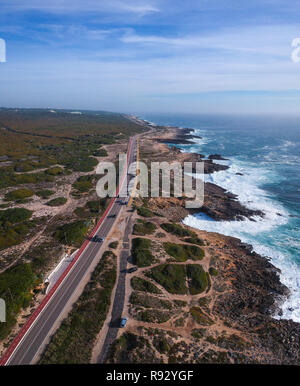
(267, 40)
(139, 7)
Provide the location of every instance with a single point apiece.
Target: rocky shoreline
(247, 293)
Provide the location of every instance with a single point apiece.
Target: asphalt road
(118, 304)
(39, 331)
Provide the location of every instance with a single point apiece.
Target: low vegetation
(144, 212)
(141, 253)
(59, 201)
(114, 245)
(142, 227)
(201, 318)
(83, 184)
(19, 194)
(73, 233)
(16, 286)
(176, 229)
(148, 301)
(197, 279)
(46, 193)
(55, 171)
(213, 271)
(100, 153)
(183, 252)
(194, 240)
(153, 316)
(171, 276)
(140, 284)
(130, 348)
(14, 226)
(74, 340)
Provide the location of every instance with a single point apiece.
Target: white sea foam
(248, 188)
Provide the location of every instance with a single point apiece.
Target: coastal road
(119, 299)
(26, 346)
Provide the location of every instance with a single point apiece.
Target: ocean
(264, 158)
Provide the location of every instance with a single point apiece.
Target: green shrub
(194, 240)
(183, 252)
(14, 226)
(200, 317)
(154, 316)
(82, 186)
(176, 229)
(14, 235)
(59, 201)
(140, 284)
(114, 245)
(14, 215)
(144, 212)
(213, 271)
(55, 171)
(197, 279)
(198, 333)
(19, 194)
(143, 258)
(141, 254)
(161, 344)
(171, 276)
(44, 193)
(98, 206)
(148, 301)
(143, 228)
(82, 212)
(73, 233)
(175, 250)
(193, 252)
(16, 284)
(100, 153)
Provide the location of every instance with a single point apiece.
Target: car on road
(97, 239)
(131, 270)
(112, 216)
(123, 322)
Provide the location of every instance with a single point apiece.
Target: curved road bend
(33, 340)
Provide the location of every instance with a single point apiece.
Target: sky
(143, 56)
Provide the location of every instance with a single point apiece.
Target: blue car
(123, 322)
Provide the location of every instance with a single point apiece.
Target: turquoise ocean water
(266, 151)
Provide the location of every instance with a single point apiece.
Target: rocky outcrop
(217, 157)
(211, 167)
(254, 298)
(222, 205)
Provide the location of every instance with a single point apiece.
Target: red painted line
(45, 301)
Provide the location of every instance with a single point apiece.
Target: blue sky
(198, 56)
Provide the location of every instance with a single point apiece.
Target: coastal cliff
(187, 306)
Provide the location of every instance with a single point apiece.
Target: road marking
(133, 194)
(8, 355)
